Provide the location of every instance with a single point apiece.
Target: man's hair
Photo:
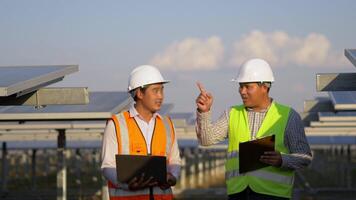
(267, 84)
(134, 92)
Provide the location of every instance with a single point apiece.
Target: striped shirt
(300, 156)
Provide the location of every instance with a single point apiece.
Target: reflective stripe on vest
(262, 174)
(125, 193)
(269, 180)
(132, 142)
(124, 135)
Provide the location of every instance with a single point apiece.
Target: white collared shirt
(110, 147)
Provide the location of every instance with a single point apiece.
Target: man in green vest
(257, 117)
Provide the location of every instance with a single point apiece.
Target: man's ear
(265, 87)
(139, 93)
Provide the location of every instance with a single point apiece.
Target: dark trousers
(248, 194)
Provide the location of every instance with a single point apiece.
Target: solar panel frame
(25, 79)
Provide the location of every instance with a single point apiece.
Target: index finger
(201, 88)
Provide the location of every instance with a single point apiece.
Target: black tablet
(130, 166)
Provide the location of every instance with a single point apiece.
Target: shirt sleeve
(108, 152)
(296, 141)
(209, 132)
(109, 146)
(174, 165)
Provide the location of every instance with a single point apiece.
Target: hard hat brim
(162, 82)
(251, 81)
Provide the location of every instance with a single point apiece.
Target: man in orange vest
(141, 131)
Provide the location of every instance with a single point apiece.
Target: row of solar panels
(334, 116)
(37, 109)
(182, 143)
(21, 80)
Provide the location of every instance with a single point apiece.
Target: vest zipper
(153, 134)
(142, 136)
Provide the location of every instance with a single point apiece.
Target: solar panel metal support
(4, 168)
(49, 96)
(61, 166)
(33, 169)
(351, 55)
(336, 82)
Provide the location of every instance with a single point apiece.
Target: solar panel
(337, 116)
(24, 79)
(165, 109)
(330, 130)
(18, 145)
(343, 100)
(318, 105)
(46, 125)
(101, 106)
(331, 140)
(333, 124)
(336, 82)
(351, 55)
(187, 116)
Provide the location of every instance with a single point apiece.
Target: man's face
(152, 97)
(252, 94)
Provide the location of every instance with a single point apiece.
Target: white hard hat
(144, 75)
(255, 70)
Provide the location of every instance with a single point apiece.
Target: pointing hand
(204, 100)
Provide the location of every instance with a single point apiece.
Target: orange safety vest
(131, 141)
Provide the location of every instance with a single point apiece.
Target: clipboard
(130, 166)
(251, 151)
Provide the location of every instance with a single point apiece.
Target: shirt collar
(133, 113)
(262, 111)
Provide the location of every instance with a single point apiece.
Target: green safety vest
(268, 180)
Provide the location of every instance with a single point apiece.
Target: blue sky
(189, 40)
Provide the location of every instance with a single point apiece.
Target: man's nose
(160, 95)
(242, 90)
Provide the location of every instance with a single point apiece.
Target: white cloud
(191, 54)
(281, 49)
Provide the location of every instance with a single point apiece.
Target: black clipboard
(251, 151)
(130, 166)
